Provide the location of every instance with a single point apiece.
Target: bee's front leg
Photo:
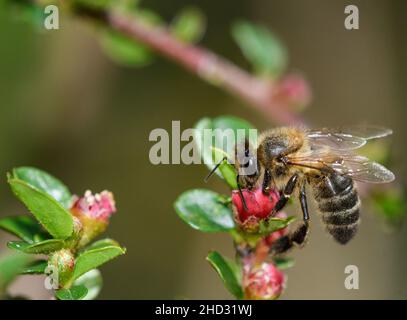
(287, 192)
(266, 181)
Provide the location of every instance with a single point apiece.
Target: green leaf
(45, 182)
(43, 247)
(274, 224)
(391, 204)
(203, 210)
(189, 25)
(36, 267)
(74, 293)
(261, 47)
(102, 244)
(95, 4)
(226, 273)
(93, 281)
(283, 263)
(11, 266)
(24, 227)
(227, 170)
(224, 137)
(50, 213)
(124, 50)
(93, 258)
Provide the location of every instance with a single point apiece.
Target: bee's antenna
(214, 169)
(242, 197)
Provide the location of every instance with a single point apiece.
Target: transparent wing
(346, 138)
(357, 167)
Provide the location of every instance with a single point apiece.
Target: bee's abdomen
(339, 203)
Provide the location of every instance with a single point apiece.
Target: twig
(261, 94)
(274, 99)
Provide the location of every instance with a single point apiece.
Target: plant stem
(269, 97)
(261, 94)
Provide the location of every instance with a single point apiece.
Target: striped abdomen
(339, 203)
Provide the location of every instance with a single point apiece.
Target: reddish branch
(275, 99)
(267, 97)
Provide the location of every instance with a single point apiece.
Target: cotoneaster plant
(261, 233)
(256, 273)
(57, 239)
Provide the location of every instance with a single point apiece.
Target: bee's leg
(288, 190)
(266, 181)
(241, 193)
(304, 204)
(297, 237)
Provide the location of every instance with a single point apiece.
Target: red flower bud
(259, 206)
(293, 89)
(263, 281)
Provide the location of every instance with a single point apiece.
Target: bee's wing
(364, 170)
(346, 138)
(357, 167)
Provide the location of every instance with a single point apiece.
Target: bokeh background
(68, 109)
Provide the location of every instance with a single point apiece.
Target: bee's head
(277, 144)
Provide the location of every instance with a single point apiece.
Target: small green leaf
(93, 258)
(261, 47)
(227, 170)
(226, 273)
(274, 224)
(93, 281)
(24, 227)
(189, 25)
(124, 50)
(11, 266)
(45, 182)
(74, 293)
(36, 267)
(226, 131)
(203, 210)
(283, 263)
(50, 213)
(43, 247)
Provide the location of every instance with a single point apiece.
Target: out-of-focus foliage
(189, 25)
(391, 204)
(11, 266)
(261, 47)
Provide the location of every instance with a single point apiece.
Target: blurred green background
(68, 109)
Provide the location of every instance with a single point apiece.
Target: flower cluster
(261, 279)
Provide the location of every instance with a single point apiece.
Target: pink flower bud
(93, 211)
(259, 206)
(293, 89)
(263, 281)
(98, 206)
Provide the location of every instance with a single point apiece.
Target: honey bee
(287, 159)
